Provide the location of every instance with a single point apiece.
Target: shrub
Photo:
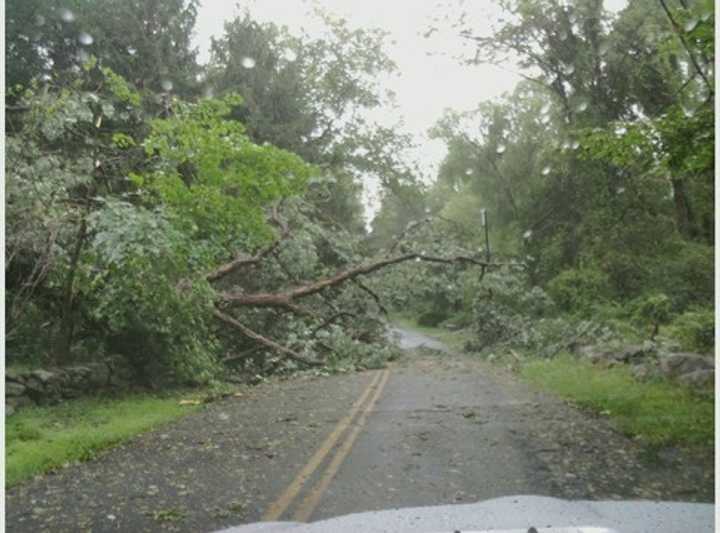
(579, 290)
(696, 329)
(653, 310)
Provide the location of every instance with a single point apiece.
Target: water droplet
(66, 15)
(85, 39)
(546, 170)
(527, 234)
(39, 20)
(568, 69)
(224, 416)
(248, 62)
(566, 145)
(167, 85)
(132, 51)
(500, 149)
(620, 130)
(688, 112)
(546, 108)
(468, 171)
(582, 106)
(545, 120)
(45, 77)
(200, 77)
(691, 24)
(575, 145)
(289, 55)
(620, 190)
(563, 35)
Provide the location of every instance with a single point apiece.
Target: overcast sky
(427, 84)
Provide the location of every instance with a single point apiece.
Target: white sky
(426, 84)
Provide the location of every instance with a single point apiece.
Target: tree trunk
(67, 309)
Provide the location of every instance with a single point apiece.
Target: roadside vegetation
(658, 412)
(42, 439)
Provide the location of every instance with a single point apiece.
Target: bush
(579, 290)
(695, 329)
(686, 275)
(653, 310)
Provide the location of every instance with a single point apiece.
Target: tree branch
(287, 352)
(285, 299)
(243, 260)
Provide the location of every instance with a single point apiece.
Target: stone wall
(49, 386)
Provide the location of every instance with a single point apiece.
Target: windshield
(287, 260)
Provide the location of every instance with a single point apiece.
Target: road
(434, 428)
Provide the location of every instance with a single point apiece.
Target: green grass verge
(41, 439)
(659, 412)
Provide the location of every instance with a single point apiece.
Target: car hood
(513, 514)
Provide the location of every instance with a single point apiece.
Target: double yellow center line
(308, 504)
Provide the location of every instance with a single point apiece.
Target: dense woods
(205, 220)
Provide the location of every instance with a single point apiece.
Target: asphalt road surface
(434, 428)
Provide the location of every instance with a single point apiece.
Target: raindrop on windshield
(132, 51)
(527, 234)
(39, 20)
(566, 145)
(691, 24)
(468, 171)
(167, 85)
(575, 145)
(545, 109)
(85, 39)
(248, 62)
(582, 106)
(289, 55)
(546, 171)
(66, 15)
(620, 190)
(545, 120)
(500, 149)
(621, 130)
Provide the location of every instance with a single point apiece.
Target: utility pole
(483, 214)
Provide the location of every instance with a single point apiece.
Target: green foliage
(579, 290)
(695, 329)
(652, 309)
(658, 412)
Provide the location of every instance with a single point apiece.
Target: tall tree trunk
(684, 215)
(67, 321)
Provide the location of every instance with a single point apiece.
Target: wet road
(432, 429)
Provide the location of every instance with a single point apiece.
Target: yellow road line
(308, 505)
(278, 507)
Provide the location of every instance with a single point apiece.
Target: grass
(40, 439)
(659, 412)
